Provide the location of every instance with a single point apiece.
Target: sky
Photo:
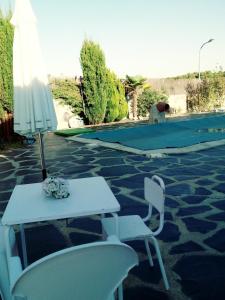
(152, 38)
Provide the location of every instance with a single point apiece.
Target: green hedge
(6, 64)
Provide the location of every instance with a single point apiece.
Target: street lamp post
(199, 57)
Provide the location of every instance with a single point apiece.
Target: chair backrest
(154, 192)
(86, 272)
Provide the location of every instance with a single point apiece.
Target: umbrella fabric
(33, 105)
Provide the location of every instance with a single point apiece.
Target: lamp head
(209, 41)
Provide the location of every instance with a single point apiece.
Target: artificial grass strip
(73, 131)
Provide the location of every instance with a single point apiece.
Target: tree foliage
(6, 64)
(204, 75)
(68, 92)
(207, 95)
(134, 86)
(147, 99)
(117, 107)
(94, 81)
(123, 106)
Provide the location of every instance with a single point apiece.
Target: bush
(68, 92)
(206, 95)
(147, 99)
(6, 65)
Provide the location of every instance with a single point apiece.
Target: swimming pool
(169, 135)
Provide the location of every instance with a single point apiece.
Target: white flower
(56, 187)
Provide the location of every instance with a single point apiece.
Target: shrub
(6, 65)
(147, 99)
(206, 95)
(68, 92)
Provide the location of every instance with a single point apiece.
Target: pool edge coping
(149, 153)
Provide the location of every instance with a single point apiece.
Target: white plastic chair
(86, 272)
(133, 227)
(5, 252)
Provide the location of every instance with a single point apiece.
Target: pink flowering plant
(56, 187)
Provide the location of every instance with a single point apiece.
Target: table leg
(24, 248)
(103, 232)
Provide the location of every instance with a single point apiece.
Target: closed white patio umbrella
(33, 105)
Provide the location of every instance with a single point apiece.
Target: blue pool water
(165, 135)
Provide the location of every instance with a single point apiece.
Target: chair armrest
(15, 269)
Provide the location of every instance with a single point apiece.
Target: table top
(88, 196)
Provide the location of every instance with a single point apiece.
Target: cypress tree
(117, 107)
(112, 110)
(94, 81)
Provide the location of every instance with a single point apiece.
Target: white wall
(178, 103)
(65, 117)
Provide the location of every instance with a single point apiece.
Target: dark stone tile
(202, 277)
(217, 241)
(216, 217)
(127, 201)
(220, 188)
(202, 191)
(220, 177)
(83, 238)
(194, 199)
(117, 171)
(115, 190)
(178, 189)
(205, 182)
(3, 205)
(30, 172)
(168, 216)
(41, 241)
(139, 247)
(6, 185)
(34, 178)
(192, 210)
(77, 169)
(196, 225)
(5, 196)
(144, 293)
(5, 175)
(138, 193)
(219, 204)
(170, 233)
(132, 182)
(147, 273)
(110, 161)
(31, 162)
(6, 166)
(138, 158)
(138, 209)
(87, 224)
(171, 203)
(187, 247)
(186, 170)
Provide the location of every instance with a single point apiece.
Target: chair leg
(165, 280)
(149, 253)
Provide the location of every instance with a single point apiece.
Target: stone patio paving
(193, 240)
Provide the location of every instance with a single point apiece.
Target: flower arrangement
(56, 187)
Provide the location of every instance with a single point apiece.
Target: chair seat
(130, 227)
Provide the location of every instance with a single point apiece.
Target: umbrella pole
(44, 172)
